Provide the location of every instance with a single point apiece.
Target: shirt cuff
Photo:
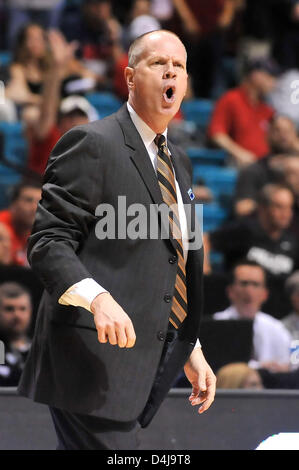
(82, 294)
(197, 344)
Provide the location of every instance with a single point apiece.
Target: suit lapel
(139, 155)
(140, 158)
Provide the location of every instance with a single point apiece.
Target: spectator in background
(99, 39)
(247, 291)
(5, 246)
(19, 218)
(290, 170)
(15, 318)
(287, 38)
(238, 375)
(21, 12)
(44, 125)
(31, 63)
(201, 26)
(285, 97)
(73, 111)
(241, 118)
(265, 237)
(141, 21)
(283, 142)
(291, 321)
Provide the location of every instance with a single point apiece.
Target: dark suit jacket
(68, 368)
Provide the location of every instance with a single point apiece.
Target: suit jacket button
(161, 336)
(172, 259)
(167, 298)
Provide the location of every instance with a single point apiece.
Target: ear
(129, 77)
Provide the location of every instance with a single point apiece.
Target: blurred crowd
(243, 61)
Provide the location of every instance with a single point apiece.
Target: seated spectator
(15, 318)
(238, 375)
(5, 246)
(19, 218)
(291, 321)
(264, 237)
(241, 117)
(31, 62)
(46, 124)
(247, 291)
(283, 141)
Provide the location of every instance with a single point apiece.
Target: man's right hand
(112, 322)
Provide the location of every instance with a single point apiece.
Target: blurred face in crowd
(35, 42)
(253, 381)
(248, 291)
(291, 173)
(278, 214)
(141, 7)
(5, 245)
(24, 207)
(15, 315)
(157, 81)
(282, 135)
(70, 120)
(262, 81)
(98, 11)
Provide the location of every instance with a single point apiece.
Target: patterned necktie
(166, 180)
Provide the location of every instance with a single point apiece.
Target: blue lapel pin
(190, 194)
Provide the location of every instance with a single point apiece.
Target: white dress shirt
(271, 340)
(84, 292)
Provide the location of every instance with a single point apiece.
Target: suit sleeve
(72, 188)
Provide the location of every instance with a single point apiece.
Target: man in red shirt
(241, 117)
(19, 218)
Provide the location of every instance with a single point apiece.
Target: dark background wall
(237, 420)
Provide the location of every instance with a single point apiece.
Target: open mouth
(169, 94)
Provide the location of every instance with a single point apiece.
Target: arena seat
(14, 150)
(219, 180)
(105, 103)
(213, 215)
(198, 111)
(15, 146)
(206, 156)
(5, 58)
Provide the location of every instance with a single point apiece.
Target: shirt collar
(146, 133)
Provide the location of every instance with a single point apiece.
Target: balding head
(139, 44)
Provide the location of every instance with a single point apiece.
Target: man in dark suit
(120, 314)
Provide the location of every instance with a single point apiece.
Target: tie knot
(160, 141)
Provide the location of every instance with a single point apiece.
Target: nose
(169, 71)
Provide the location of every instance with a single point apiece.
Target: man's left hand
(202, 379)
